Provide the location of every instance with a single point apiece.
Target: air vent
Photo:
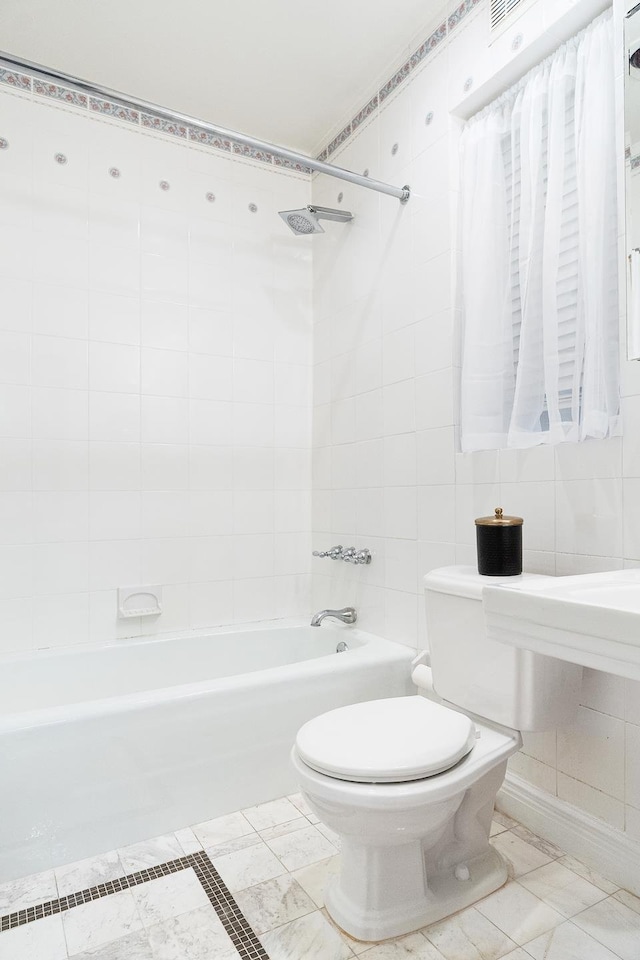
(500, 10)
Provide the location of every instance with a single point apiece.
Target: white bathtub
(129, 740)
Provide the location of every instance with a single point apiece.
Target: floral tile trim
(111, 109)
(148, 120)
(425, 48)
(283, 162)
(395, 81)
(635, 162)
(366, 111)
(161, 124)
(434, 40)
(64, 94)
(344, 134)
(165, 126)
(459, 13)
(210, 139)
(13, 79)
(246, 151)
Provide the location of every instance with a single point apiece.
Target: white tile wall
(384, 422)
(155, 382)
(156, 389)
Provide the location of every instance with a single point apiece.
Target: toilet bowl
(409, 784)
(414, 850)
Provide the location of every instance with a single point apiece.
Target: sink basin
(593, 619)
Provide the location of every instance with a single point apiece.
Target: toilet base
(412, 852)
(444, 895)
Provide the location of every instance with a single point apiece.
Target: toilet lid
(386, 741)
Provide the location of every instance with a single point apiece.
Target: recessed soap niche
(143, 601)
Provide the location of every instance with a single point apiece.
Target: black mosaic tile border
(231, 916)
(229, 913)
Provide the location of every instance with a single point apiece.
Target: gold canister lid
(499, 520)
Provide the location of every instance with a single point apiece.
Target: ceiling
(287, 71)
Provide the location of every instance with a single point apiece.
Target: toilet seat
(386, 741)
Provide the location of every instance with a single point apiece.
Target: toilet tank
(512, 687)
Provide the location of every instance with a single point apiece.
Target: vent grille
(500, 10)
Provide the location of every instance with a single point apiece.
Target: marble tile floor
(275, 860)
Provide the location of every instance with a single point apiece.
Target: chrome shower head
(306, 220)
(302, 222)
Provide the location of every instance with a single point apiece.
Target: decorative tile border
(144, 119)
(161, 124)
(244, 150)
(399, 77)
(210, 139)
(229, 913)
(340, 139)
(417, 57)
(366, 111)
(634, 162)
(109, 109)
(13, 79)
(66, 94)
(299, 167)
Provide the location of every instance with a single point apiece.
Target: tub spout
(347, 615)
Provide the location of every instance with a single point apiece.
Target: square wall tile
(589, 517)
(591, 750)
(164, 325)
(114, 417)
(59, 414)
(15, 357)
(164, 373)
(400, 513)
(60, 311)
(114, 367)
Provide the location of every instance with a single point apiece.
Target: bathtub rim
(11, 656)
(371, 649)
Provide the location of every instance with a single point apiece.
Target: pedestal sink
(593, 620)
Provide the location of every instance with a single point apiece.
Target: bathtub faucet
(347, 615)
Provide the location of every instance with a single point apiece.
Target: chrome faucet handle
(334, 552)
(351, 555)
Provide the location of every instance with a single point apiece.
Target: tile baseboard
(595, 842)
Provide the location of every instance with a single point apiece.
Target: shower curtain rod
(400, 193)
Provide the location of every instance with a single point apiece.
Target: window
(539, 255)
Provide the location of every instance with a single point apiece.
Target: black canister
(499, 541)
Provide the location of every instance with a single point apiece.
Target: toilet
(409, 783)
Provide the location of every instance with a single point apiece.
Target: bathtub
(105, 746)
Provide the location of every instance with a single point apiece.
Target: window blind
(500, 10)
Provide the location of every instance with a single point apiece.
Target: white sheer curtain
(538, 276)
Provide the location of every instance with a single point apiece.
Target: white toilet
(409, 784)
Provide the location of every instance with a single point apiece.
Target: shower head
(306, 220)
(302, 222)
